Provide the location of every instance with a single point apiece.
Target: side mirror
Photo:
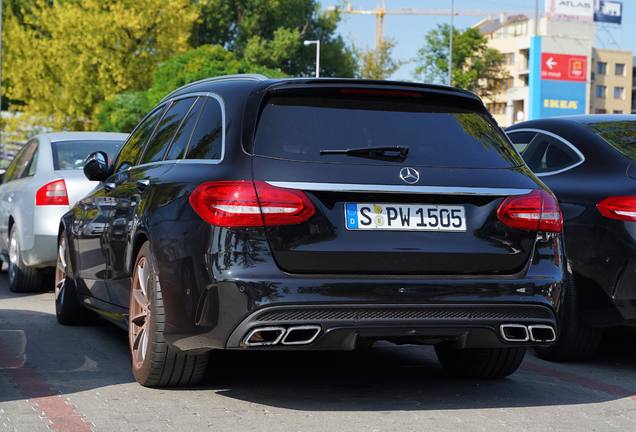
(96, 167)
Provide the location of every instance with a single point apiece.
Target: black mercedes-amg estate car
(315, 214)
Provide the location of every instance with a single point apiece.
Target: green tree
(122, 112)
(64, 57)
(270, 33)
(476, 66)
(378, 63)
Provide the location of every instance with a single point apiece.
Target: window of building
(618, 111)
(619, 69)
(600, 111)
(601, 90)
(601, 68)
(619, 92)
(509, 58)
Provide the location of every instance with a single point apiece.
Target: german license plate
(405, 217)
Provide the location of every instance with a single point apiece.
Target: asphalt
(77, 379)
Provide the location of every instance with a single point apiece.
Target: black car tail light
(618, 207)
(536, 211)
(244, 203)
(52, 193)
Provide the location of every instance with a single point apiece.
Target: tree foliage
(270, 33)
(64, 57)
(378, 63)
(123, 112)
(476, 66)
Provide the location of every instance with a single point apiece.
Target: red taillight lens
(619, 207)
(536, 211)
(250, 204)
(53, 193)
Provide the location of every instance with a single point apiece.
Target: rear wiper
(379, 151)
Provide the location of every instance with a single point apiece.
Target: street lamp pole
(317, 43)
(450, 44)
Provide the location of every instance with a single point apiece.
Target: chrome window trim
(559, 138)
(380, 188)
(221, 103)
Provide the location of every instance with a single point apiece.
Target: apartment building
(535, 90)
(611, 82)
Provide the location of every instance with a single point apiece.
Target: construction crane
(381, 11)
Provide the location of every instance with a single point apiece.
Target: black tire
(68, 307)
(479, 363)
(577, 341)
(22, 278)
(162, 365)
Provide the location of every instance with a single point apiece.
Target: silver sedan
(43, 181)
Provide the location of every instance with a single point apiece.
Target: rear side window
(437, 134)
(620, 134)
(165, 131)
(70, 155)
(180, 141)
(135, 144)
(207, 137)
(520, 140)
(546, 154)
(23, 162)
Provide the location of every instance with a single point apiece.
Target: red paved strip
(583, 381)
(59, 414)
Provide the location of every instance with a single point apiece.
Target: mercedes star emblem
(409, 175)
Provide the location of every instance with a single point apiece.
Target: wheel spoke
(138, 337)
(142, 276)
(140, 298)
(61, 252)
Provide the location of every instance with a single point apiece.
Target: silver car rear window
(70, 155)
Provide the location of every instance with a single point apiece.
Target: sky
(408, 31)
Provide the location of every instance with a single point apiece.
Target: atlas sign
(572, 10)
(563, 67)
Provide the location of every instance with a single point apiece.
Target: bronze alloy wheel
(60, 267)
(139, 315)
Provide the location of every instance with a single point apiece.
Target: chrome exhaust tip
(301, 335)
(542, 333)
(263, 336)
(514, 333)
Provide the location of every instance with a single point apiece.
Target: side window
(180, 141)
(207, 137)
(546, 154)
(23, 163)
(520, 140)
(166, 129)
(132, 148)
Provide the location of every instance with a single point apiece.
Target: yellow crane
(380, 11)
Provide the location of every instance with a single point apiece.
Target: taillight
(53, 193)
(536, 211)
(250, 204)
(619, 207)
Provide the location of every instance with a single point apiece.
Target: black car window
(619, 134)
(520, 140)
(182, 137)
(70, 155)
(165, 131)
(546, 154)
(438, 133)
(132, 148)
(207, 137)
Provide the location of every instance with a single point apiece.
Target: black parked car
(589, 163)
(306, 214)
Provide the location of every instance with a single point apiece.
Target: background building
(555, 69)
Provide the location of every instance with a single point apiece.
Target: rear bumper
(43, 252)
(465, 325)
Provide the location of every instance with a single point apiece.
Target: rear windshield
(620, 134)
(70, 155)
(298, 128)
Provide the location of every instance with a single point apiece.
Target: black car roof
(587, 119)
(260, 82)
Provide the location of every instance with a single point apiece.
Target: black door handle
(142, 184)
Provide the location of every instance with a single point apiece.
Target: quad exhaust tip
(521, 333)
(296, 335)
